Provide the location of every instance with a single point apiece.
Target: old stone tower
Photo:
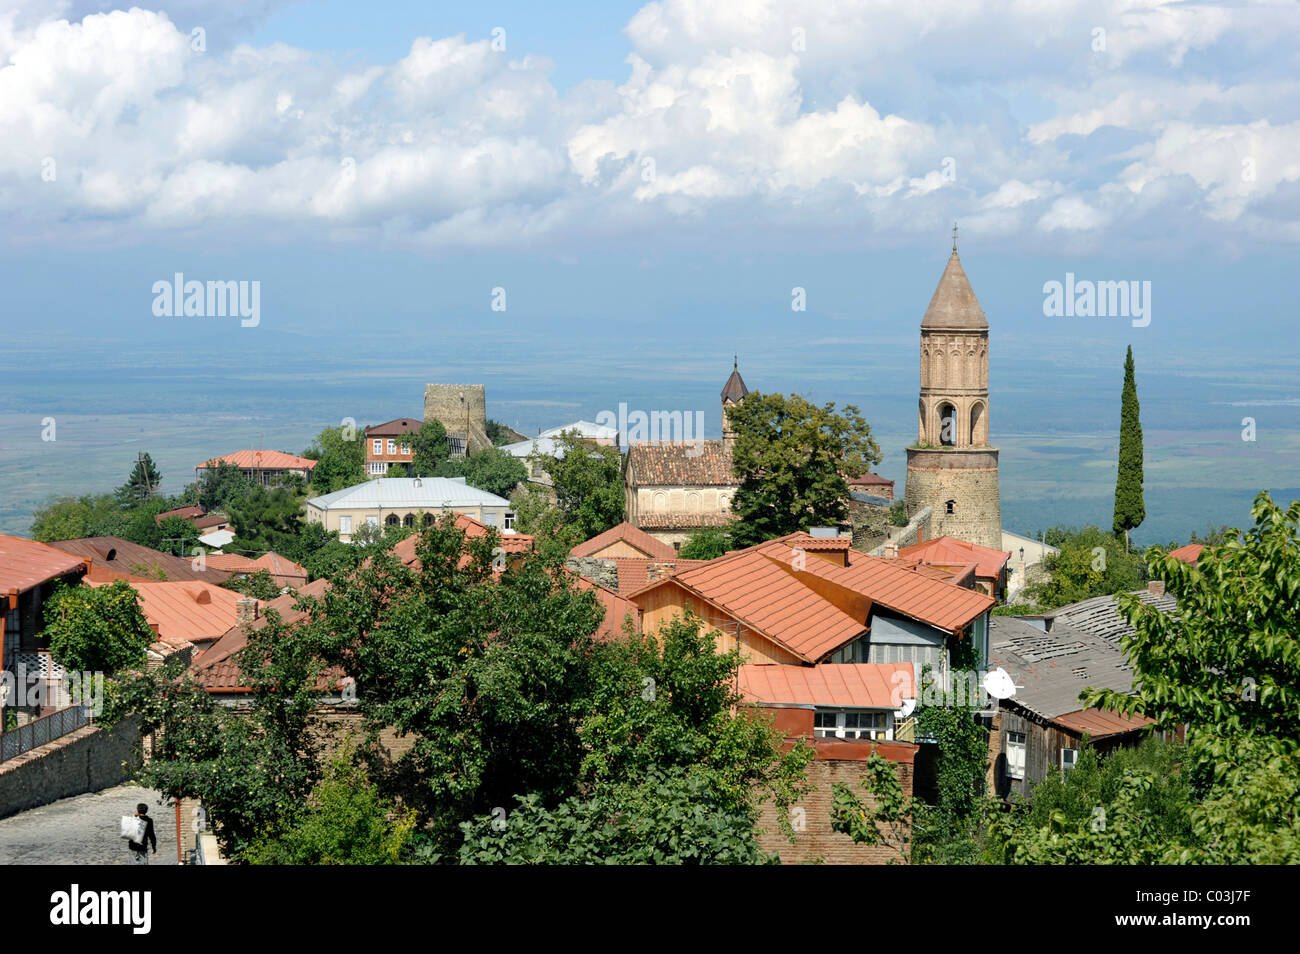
(462, 409)
(952, 469)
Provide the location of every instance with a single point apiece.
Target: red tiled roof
(949, 551)
(1191, 553)
(185, 513)
(616, 610)
(261, 460)
(626, 533)
(217, 670)
(869, 480)
(1099, 723)
(26, 563)
(187, 611)
(806, 541)
(851, 685)
(687, 464)
(125, 557)
(683, 521)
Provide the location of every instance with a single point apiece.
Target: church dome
(954, 306)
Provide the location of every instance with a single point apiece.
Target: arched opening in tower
(976, 419)
(947, 425)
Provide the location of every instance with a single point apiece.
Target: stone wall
(442, 403)
(603, 571)
(870, 522)
(970, 480)
(919, 529)
(90, 759)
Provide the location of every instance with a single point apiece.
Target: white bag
(133, 828)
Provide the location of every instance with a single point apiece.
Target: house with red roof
(947, 552)
(283, 571)
(1189, 553)
(189, 615)
(265, 467)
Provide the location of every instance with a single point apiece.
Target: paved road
(83, 830)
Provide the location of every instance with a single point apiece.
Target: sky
(648, 187)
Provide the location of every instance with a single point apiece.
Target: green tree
(706, 544)
(346, 822)
(221, 486)
(142, 483)
(499, 434)
(260, 585)
(1091, 563)
(64, 518)
(97, 629)
(791, 458)
(177, 534)
(588, 483)
(492, 470)
(340, 460)
(1129, 509)
(267, 519)
(396, 470)
(429, 449)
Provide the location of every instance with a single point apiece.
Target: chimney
(1156, 587)
(153, 628)
(245, 610)
(891, 550)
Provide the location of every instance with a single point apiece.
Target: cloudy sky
(1080, 125)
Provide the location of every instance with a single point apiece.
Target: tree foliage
(97, 629)
(792, 458)
(706, 544)
(429, 449)
(1091, 563)
(588, 483)
(1129, 509)
(340, 459)
(142, 483)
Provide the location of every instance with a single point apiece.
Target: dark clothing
(148, 837)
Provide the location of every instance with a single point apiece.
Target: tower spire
(954, 238)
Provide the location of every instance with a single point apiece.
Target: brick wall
(83, 761)
(970, 479)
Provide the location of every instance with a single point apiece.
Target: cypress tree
(1129, 510)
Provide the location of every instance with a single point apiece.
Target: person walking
(140, 852)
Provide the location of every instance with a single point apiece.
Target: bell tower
(733, 392)
(952, 468)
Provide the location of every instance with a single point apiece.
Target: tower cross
(954, 236)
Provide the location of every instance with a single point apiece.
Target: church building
(952, 468)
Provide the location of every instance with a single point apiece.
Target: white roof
(217, 538)
(395, 492)
(542, 445)
(585, 429)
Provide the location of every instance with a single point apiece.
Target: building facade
(462, 410)
(384, 445)
(952, 468)
(406, 502)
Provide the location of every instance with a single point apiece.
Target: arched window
(427, 519)
(391, 520)
(947, 425)
(692, 503)
(976, 420)
(660, 503)
(408, 520)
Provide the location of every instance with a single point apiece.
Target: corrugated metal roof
(123, 556)
(26, 563)
(187, 611)
(586, 429)
(1099, 723)
(395, 492)
(629, 534)
(845, 685)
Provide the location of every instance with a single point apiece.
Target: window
(1068, 759)
(854, 652)
(392, 447)
(950, 507)
(378, 445)
(510, 521)
(490, 519)
(378, 468)
(852, 724)
(345, 524)
(408, 520)
(372, 521)
(406, 450)
(1015, 749)
(391, 520)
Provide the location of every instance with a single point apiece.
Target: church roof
(734, 389)
(954, 305)
(687, 464)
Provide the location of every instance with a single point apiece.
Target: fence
(39, 731)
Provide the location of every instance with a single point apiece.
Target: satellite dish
(999, 684)
(907, 708)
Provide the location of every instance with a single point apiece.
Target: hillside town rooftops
(25, 563)
(187, 611)
(261, 460)
(125, 557)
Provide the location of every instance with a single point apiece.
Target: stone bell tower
(733, 392)
(952, 468)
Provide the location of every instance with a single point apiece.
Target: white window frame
(1072, 761)
(392, 447)
(372, 521)
(876, 724)
(1014, 746)
(510, 521)
(378, 467)
(377, 446)
(345, 524)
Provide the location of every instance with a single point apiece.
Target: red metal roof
(514, 544)
(1191, 553)
(127, 558)
(806, 541)
(261, 460)
(949, 551)
(617, 609)
(849, 685)
(273, 563)
(395, 428)
(25, 564)
(626, 533)
(186, 611)
(1099, 723)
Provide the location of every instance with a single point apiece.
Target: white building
(1025, 552)
(406, 502)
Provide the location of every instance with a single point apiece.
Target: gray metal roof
(396, 492)
(1100, 616)
(1051, 669)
